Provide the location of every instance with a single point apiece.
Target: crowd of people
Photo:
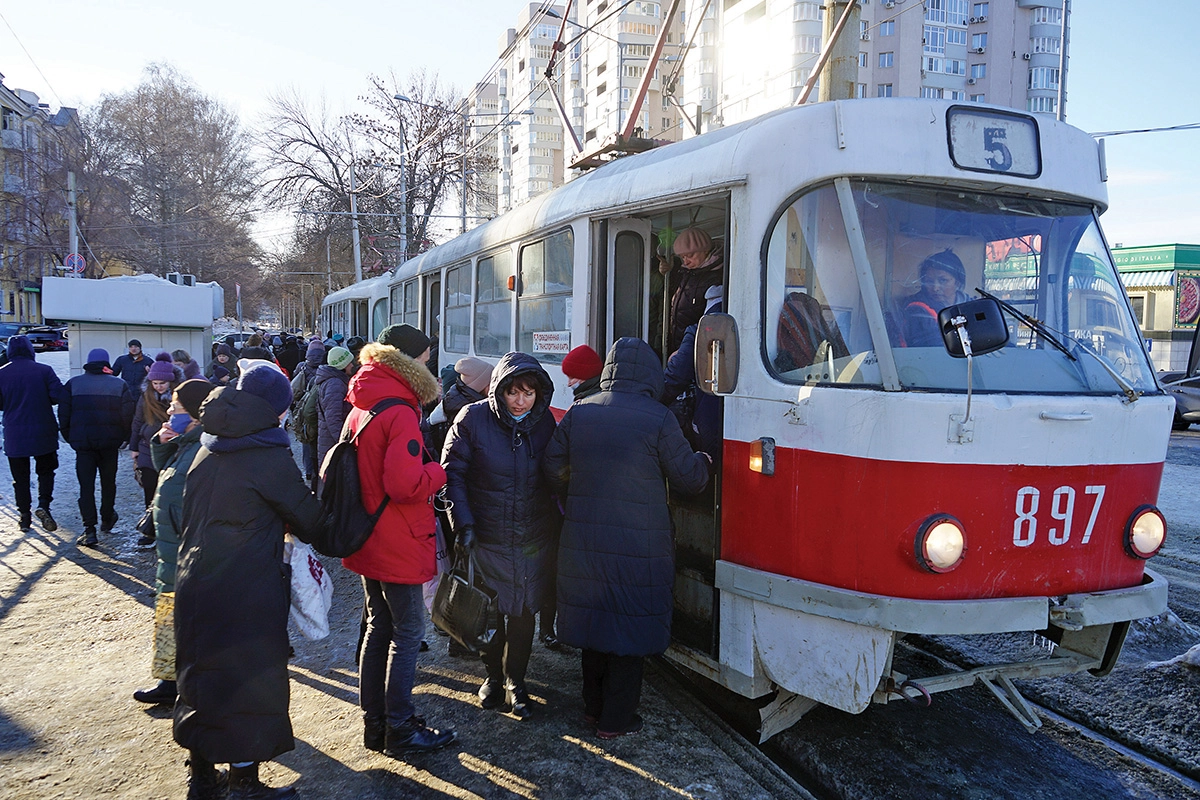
(567, 520)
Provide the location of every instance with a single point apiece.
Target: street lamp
(466, 126)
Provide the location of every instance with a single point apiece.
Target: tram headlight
(1145, 532)
(941, 543)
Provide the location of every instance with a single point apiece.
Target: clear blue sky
(1129, 69)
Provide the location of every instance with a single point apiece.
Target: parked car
(1186, 392)
(45, 338)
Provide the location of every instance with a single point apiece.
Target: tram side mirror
(716, 355)
(983, 326)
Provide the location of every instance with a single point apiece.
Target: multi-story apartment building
(33, 203)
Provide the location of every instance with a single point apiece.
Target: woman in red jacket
(399, 556)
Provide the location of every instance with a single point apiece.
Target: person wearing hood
(503, 513)
(289, 355)
(222, 370)
(148, 417)
(612, 458)
(232, 587)
(702, 266)
(28, 393)
(302, 380)
(699, 413)
(94, 415)
(173, 448)
(331, 383)
(399, 556)
(583, 366)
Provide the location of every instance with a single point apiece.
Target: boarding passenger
(503, 513)
(94, 415)
(583, 366)
(302, 380)
(702, 266)
(231, 588)
(942, 281)
(172, 448)
(699, 414)
(399, 556)
(612, 458)
(148, 417)
(331, 382)
(28, 392)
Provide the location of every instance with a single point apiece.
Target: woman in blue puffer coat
(504, 513)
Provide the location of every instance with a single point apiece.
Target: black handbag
(466, 611)
(145, 523)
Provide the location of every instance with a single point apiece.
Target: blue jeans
(388, 665)
(309, 453)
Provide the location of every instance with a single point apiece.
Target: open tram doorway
(636, 276)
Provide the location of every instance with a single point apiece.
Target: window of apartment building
(933, 64)
(864, 27)
(860, 90)
(979, 41)
(642, 28)
(978, 71)
(545, 32)
(862, 60)
(705, 66)
(542, 51)
(935, 11)
(544, 304)
(601, 89)
(548, 136)
(1047, 16)
(956, 12)
(955, 95)
(979, 11)
(955, 67)
(935, 40)
(643, 50)
(977, 98)
(626, 93)
(931, 92)
(493, 304)
(1042, 105)
(956, 36)
(541, 152)
(645, 9)
(887, 28)
(600, 69)
(803, 11)
(886, 59)
(883, 90)
(808, 44)
(1044, 44)
(545, 120)
(1043, 78)
(667, 123)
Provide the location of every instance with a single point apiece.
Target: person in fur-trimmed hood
(399, 556)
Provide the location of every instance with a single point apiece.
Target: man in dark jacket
(28, 392)
(94, 414)
(232, 588)
(616, 561)
(132, 367)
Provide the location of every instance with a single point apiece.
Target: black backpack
(340, 491)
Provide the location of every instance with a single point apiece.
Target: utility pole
(840, 72)
(466, 130)
(73, 222)
(1063, 42)
(354, 218)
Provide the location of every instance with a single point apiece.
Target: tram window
(493, 305)
(397, 298)
(458, 310)
(379, 317)
(629, 263)
(544, 305)
(411, 314)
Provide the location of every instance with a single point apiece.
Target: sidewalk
(75, 633)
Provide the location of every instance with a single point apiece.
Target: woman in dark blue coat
(612, 457)
(504, 513)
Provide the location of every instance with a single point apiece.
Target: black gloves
(466, 540)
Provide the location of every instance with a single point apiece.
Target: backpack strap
(382, 405)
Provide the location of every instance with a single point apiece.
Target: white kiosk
(109, 312)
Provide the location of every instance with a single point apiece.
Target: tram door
(361, 319)
(432, 311)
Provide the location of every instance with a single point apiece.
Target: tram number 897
(1062, 510)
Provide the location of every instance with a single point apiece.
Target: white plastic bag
(442, 556)
(312, 589)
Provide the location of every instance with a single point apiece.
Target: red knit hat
(583, 363)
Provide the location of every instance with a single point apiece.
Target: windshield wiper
(1130, 393)
(1033, 324)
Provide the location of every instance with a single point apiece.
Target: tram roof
(357, 291)
(862, 137)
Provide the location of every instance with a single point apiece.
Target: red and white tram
(869, 488)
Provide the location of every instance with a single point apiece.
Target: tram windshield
(832, 317)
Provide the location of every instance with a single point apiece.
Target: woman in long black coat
(232, 587)
(612, 457)
(503, 511)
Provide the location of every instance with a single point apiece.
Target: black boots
(204, 781)
(245, 785)
(108, 523)
(48, 523)
(517, 699)
(88, 537)
(491, 693)
(414, 737)
(162, 694)
(374, 733)
(26, 523)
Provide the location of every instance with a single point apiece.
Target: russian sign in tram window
(544, 303)
(458, 310)
(493, 304)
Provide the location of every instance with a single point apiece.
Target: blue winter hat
(99, 355)
(262, 378)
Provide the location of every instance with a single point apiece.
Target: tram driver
(942, 280)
